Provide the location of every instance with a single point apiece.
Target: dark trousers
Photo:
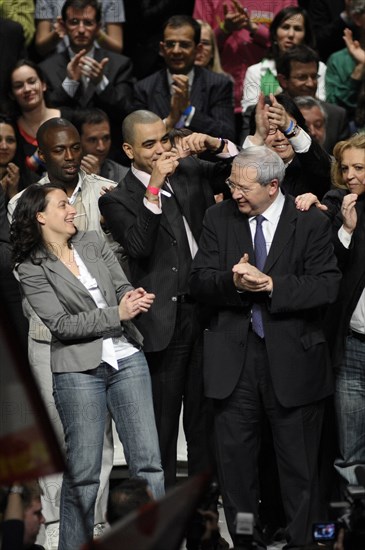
(177, 378)
(296, 434)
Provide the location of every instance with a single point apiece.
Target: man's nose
(159, 148)
(69, 154)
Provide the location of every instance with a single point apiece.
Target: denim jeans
(82, 400)
(350, 409)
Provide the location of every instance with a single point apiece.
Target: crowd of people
(181, 207)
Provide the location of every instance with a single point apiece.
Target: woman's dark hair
(36, 68)
(6, 119)
(18, 160)
(280, 17)
(25, 232)
(290, 107)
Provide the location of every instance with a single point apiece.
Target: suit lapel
(242, 235)
(283, 234)
(161, 92)
(198, 89)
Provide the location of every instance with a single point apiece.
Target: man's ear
(161, 49)
(283, 81)
(274, 185)
(41, 155)
(128, 149)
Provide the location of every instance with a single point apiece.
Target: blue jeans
(82, 400)
(350, 409)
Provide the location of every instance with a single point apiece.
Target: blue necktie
(260, 256)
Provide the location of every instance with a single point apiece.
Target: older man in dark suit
(184, 95)
(156, 213)
(267, 270)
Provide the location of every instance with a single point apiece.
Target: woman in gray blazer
(76, 286)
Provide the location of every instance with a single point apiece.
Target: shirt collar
(89, 53)
(273, 213)
(143, 177)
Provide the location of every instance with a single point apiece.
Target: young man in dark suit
(156, 213)
(267, 270)
(84, 76)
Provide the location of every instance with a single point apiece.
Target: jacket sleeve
(318, 283)
(135, 229)
(60, 315)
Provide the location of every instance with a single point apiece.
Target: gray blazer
(68, 310)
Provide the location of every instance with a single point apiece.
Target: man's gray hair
(267, 163)
(308, 102)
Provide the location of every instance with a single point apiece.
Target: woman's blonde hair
(355, 142)
(215, 63)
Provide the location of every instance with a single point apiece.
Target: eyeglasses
(74, 22)
(234, 187)
(272, 130)
(183, 44)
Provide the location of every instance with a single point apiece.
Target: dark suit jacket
(337, 125)
(305, 277)
(12, 48)
(150, 242)
(211, 95)
(328, 25)
(77, 325)
(114, 100)
(352, 264)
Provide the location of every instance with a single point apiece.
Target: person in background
(346, 67)
(297, 70)
(330, 18)
(10, 32)
(347, 169)
(208, 55)
(22, 12)
(185, 95)
(11, 176)
(242, 33)
(129, 495)
(84, 77)
(94, 128)
(74, 283)
(315, 117)
(278, 123)
(290, 27)
(346, 319)
(22, 517)
(50, 32)
(28, 91)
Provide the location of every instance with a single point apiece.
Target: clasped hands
(83, 65)
(247, 277)
(135, 302)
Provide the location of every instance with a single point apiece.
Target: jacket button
(174, 243)
(174, 298)
(174, 269)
